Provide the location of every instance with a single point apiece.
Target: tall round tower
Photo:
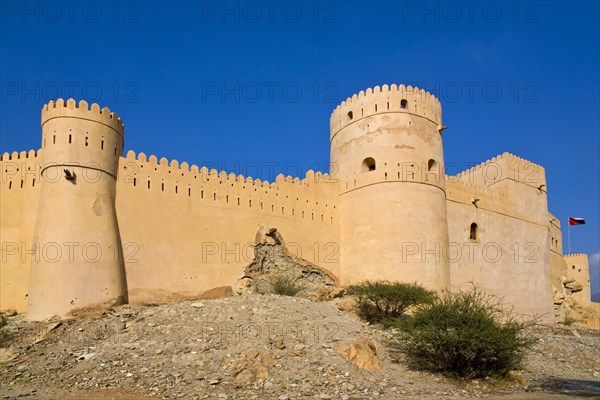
(386, 151)
(78, 260)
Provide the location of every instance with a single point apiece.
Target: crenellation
(385, 99)
(230, 190)
(502, 167)
(71, 109)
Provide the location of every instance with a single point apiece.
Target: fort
(82, 224)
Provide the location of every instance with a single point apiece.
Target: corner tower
(386, 151)
(78, 260)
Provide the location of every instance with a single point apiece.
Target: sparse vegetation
(3, 334)
(568, 321)
(466, 334)
(285, 285)
(384, 301)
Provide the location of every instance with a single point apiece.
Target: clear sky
(249, 86)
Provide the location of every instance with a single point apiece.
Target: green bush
(285, 285)
(383, 301)
(466, 334)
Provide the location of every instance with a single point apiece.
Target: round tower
(78, 260)
(386, 151)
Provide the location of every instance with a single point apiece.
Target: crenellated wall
(510, 255)
(186, 229)
(19, 197)
(377, 100)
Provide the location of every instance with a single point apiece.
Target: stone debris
(252, 365)
(44, 333)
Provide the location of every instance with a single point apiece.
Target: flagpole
(569, 230)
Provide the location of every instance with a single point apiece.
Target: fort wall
(498, 244)
(19, 197)
(558, 265)
(186, 229)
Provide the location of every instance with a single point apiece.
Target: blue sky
(249, 86)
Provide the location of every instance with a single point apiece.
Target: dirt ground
(192, 350)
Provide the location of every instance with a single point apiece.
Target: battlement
(504, 166)
(185, 169)
(576, 255)
(386, 99)
(313, 198)
(71, 109)
(19, 155)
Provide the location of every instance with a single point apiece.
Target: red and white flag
(576, 221)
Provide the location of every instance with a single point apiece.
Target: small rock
(278, 342)
(214, 382)
(299, 349)
(87, 356)
(197, 304)
(244, 286)
(284, 397)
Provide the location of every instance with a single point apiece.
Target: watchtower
(78, 260)
(386, 151)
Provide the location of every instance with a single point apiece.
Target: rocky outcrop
(568, 311)
(273, 261)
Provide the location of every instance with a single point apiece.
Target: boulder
(573, 286)
(362, 353)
